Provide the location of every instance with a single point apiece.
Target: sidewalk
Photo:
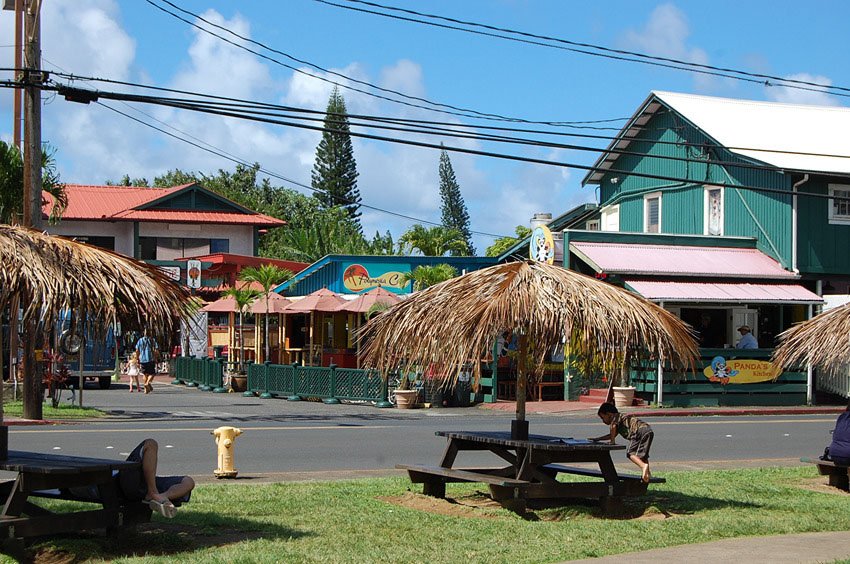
(806, 547)
(551, 407)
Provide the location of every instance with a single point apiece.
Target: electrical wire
(644, 58)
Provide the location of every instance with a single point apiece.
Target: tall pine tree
(455, 215)
(335, 171)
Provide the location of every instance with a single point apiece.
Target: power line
(448, 108)
(621, 55)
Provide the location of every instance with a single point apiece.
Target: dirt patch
(479, 505)
(821, 485)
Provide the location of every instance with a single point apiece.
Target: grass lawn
(64, 411)
(373, 521)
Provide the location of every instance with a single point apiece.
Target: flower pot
(406, 399)
(239, 383)
(624, 397)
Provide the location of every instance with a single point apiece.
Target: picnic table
(50, 475)
(532, 470)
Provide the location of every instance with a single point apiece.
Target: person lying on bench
(637, 432)
(162, 493)
(839, 449)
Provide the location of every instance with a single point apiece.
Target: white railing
(835, 381)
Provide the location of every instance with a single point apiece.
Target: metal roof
(725, 292)
(703, 262)
(786, 136)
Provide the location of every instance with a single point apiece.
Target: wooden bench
(434, 478)
(598, 474)
(537, 389)
(839, 476)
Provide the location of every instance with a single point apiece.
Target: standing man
(147, 349)
(748, 341)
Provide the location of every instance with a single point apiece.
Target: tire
(104, 382)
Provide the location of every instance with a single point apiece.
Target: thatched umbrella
(822, 341)
(456, 321)
(48, 274)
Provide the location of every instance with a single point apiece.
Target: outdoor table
(532, 470)
(50, 475)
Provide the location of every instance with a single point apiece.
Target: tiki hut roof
(459, 320)
(822, 341)
(50, 274)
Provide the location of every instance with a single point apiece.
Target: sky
(133, 41)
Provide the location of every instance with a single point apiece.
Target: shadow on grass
(655, 505)
(174, 538)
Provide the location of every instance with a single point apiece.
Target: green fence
(292, 381)
(686, 389)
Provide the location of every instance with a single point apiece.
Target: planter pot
(624, 397)
(406, 399)
(239, 383)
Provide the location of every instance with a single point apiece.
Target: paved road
(297, 440)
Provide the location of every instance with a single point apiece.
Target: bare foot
(646, 476)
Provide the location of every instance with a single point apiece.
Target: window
(652, 213)
(611, 218)
(171, 248)
(713, 211)
(839, 210)
(219, 245)
(592, 225)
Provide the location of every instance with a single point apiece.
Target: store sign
(740, 371)
(193, 273)
(542, 246)
(172, 272)
(358, 278)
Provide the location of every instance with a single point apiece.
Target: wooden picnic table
(50, 475)
(532, 469)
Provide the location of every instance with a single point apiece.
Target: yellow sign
(542, 247)
(356, 278)
(740, 371)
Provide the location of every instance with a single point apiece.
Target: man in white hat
(748, 341)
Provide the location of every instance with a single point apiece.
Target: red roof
(716, 262)
(723, 292)
(120, 203)
(245, 260)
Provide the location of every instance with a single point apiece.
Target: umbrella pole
(519, 426)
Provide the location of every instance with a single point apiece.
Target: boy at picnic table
(637, 432)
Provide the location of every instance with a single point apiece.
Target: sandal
(164, 508)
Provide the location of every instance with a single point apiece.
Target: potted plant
(406, 397)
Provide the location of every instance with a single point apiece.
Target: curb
(672, 412)
(21, 422)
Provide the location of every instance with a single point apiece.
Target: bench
(435, 478)
(597, 473)
(839, 476)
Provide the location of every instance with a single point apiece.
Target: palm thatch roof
(822, 341)
(50, 274)
(459, 320)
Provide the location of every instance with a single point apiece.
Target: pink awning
(712, 262)
(728, 292)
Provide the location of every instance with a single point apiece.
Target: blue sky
(133, 41)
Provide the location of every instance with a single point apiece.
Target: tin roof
(127, 203)
(702, 262)
(727, 292)
(787, 136)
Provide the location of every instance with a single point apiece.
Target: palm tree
(427, 275)
(243, 297)
(267, 276)
(434, 241)
(12, 183)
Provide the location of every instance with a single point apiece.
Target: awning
(679, 260)
(726, 292)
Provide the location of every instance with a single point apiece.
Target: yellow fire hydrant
(224, 437)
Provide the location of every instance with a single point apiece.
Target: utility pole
(32, 75)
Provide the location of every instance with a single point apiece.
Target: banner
(740, 371)
(193, 273)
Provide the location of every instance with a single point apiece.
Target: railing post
(190, 368)
(176, 364)
(333, 399)
(205, 378)
(248, 393)
(385, 393)
(218, 370)
(294, 396)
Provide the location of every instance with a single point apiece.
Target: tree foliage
(12, 183)
(425, 276)
(335, 170)
(268, 276)
(502, 244)
(454, 213)
(434, 241)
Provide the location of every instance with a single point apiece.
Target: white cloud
(666, 34)
(816, 96)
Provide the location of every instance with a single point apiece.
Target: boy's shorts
(640, 443)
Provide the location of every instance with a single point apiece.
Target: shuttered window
(839, 210)
(652, 213)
